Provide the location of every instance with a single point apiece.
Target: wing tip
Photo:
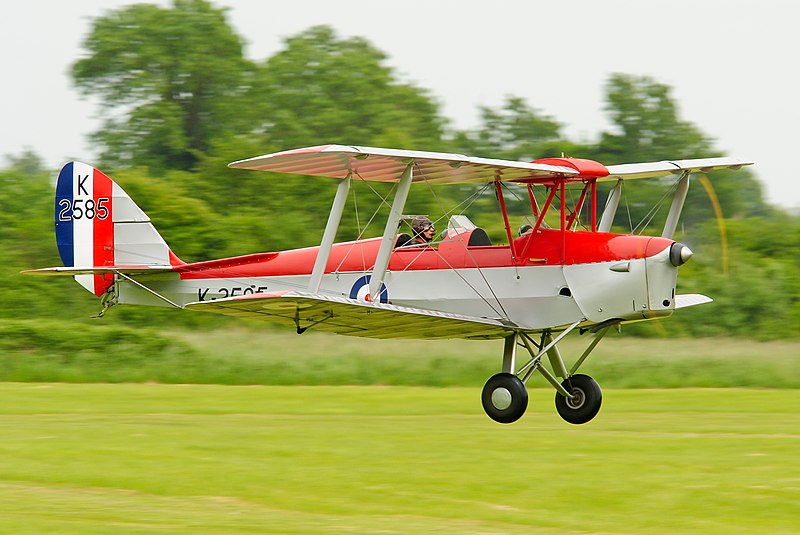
(690, 300)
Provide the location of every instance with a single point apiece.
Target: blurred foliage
(170, 80)
(647, 124)
(182, 101)
(321, 87)
(514, 132)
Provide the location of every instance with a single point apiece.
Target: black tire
(504, 398)
(589, 397)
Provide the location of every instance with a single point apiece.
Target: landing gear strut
(578, 396)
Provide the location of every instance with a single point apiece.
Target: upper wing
(355, 318)
(387, 165)
(655, 169)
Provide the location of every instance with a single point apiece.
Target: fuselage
(547, 279)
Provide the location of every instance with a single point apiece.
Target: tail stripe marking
(82, 226)
(63, 215)
(83, 231)
(103, 229)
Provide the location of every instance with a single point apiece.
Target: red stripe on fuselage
(359, 256)
(103, 241)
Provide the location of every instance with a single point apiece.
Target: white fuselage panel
(528, 296)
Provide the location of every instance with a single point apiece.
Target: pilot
(423, 230)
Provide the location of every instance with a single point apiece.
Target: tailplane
(98, 226)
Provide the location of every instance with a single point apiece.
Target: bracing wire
(447, 213)
(648, 217)
(468, 202)
(369, 222)
(460, 208)
(300, 286)
(627, 208)
(360, 231)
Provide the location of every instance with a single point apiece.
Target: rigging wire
(627, 208)
(648, 217)
(358, 236)
(282, 279)
(366, 226)
(287, 282)
(475, 196)
(469, 201)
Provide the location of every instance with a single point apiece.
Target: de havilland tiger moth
(547, 281)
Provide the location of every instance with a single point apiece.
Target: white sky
(732, 64)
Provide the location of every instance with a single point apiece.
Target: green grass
(147, 458)
(282, 357)
(100, 351)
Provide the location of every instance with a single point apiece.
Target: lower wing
(355, 318)
(690, 300)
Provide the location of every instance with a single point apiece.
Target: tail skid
(100, 230)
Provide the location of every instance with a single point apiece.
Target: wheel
(586, 401)
(504, 398)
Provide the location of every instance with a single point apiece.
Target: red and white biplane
(544, 283)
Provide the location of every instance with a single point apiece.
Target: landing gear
(585, 401)
(504, 398)
(578, 396)
(108, 300)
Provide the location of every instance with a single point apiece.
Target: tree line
(181, 101)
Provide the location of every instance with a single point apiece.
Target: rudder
(98, 225)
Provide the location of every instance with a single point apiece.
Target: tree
(514, 132)
(27, 162)
(759, 295)
(648, 127)
(324, 89)
(318, 89)
(168, 80)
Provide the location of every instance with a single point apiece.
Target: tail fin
(99, 225)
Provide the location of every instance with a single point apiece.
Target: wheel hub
(501, 398)
(577, 399)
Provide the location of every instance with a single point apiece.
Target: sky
(731, 64)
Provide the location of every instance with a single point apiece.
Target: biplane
(546, 281)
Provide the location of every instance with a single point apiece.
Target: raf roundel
(360, 290)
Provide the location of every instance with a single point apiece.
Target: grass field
(188, 459)
(108, 352)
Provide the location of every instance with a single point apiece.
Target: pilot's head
(423, 228)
